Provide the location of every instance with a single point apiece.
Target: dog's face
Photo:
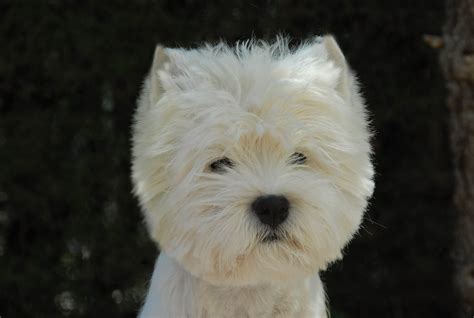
(252, 164)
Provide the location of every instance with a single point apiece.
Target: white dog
(252, 166)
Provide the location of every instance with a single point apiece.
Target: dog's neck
(176, 293)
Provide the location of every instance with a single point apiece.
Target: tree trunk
(457, 61)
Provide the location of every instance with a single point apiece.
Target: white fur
(256, 103)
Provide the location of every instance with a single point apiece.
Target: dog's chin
(276, 259)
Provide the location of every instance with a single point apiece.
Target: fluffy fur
(256, 103)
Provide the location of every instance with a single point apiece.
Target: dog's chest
(253, 302)
(176, 293)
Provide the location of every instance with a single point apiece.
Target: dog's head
(252, 163)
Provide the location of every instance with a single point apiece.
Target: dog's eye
(221, 164)
(297, 158)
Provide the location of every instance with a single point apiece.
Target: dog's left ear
(336, 56)
(168, 72)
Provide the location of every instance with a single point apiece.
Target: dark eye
(297, 158)
(221, 164)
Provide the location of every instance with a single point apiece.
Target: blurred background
(72, 242)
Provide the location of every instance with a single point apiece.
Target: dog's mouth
(271, 237)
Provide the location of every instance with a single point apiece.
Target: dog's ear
(160, 59)
(337, 57)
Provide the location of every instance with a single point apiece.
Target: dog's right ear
(160, 60)
(337, 57)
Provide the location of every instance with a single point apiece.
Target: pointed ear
(160, 59)
(335, 55)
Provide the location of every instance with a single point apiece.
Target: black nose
(271, 209)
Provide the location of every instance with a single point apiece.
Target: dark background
(71, 238)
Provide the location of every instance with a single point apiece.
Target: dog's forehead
(258, 129)
(228, 96)
(251, 72)
(279, 117)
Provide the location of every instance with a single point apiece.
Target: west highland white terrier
(252, 165)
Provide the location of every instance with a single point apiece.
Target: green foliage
(71, 237)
